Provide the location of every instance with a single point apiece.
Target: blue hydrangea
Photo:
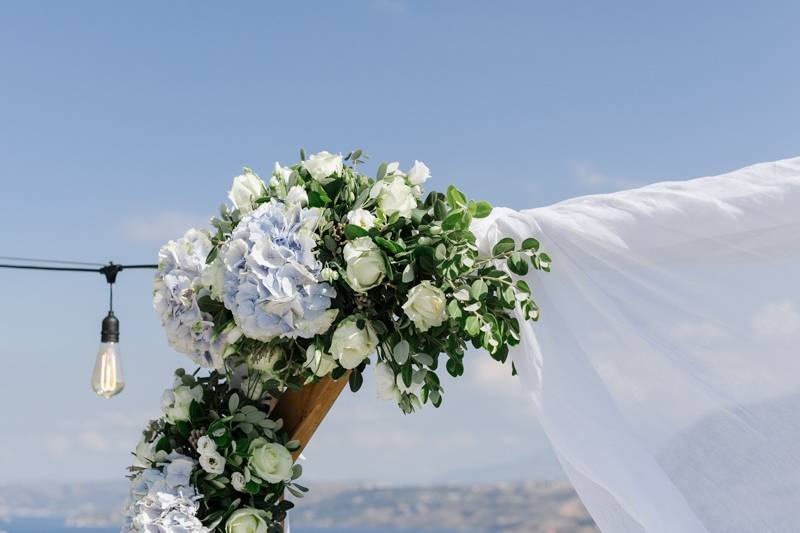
(272, 275)
(178, 284)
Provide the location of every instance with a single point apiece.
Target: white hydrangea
(179, 283)
(273, 281)
(163, 499)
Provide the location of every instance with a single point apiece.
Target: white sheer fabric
(666, 366)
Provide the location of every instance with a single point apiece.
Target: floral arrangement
(215, 459)
(307, 276)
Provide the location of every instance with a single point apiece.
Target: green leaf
(455, 198)
(454, 309)
(392, 247)
(233, 403)
(163, 445)
(400, 352)
(472, 326)
(503, 246)
(356, 380)
(425, 259)
(212, 255)
(482, 209)
(530, 244)
(423, 359)
(518, 264)
(453, 220)
(478, 289)
(330, 243)
(408, 273)
(351, 231)
(407, 372)
(439, 210)
(302, 154)
(382, 171)
(544, 262)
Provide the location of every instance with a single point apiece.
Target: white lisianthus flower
(319, 362)
(394, 196)
(297, 195)
(213, 463)
(247, 520)
(386, 383)
(323, 164)
(426, 306)
(206, 445)
(281, 173)
(145, 454)
(418, 173)
(246, 188)
(213, 278)
(175, 402)
(329, 274)
(270, 461)
(350, 344)
(366, 264)
(238, 481)
(393, 169)
(361, 218)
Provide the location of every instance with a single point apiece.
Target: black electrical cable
(109, 270)
(56, 261)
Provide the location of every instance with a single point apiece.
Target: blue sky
(123, 124)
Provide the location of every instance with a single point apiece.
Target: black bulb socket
(110, 329)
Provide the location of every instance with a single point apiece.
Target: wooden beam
(303, 410)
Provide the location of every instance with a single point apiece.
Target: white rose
(297, 195)
(350, 344)
(361, 218)
(238, 481)
(323, 164)
(176, 402)
(426, 306)
(206, 445)
(394, 196)
(319, 362)
(270, 461)
(247, 520)
(213, 463)
(385, 382)
(418, 173)
(246, 188)
(366, 264)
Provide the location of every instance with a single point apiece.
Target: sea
(56, 525)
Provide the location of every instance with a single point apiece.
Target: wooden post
(303, 410)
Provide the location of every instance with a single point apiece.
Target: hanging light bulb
(107, 379)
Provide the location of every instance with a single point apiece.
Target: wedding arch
(663, 373)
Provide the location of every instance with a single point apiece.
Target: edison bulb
(107, 380)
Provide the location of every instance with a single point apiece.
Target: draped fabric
(666, 363)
